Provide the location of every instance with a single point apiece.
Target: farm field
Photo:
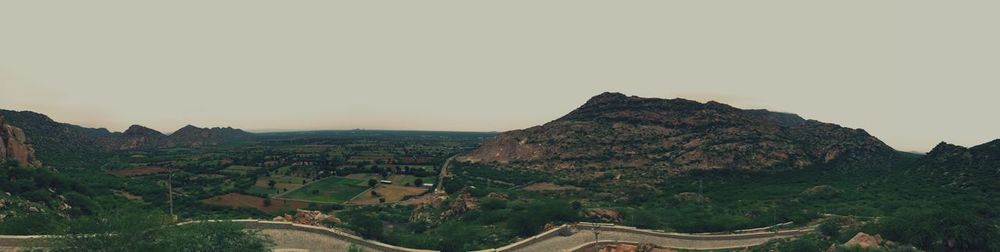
(397, 179)
(391, 193)
(139, 171)
(282, 184)
(248, 201)
(330, 190)
(240, 169)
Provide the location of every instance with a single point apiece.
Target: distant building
(428, 185)
(385, 181)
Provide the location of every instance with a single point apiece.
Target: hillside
(73, 145)
(194, 136)
(614, 130)
(965, 168)
(58, 143)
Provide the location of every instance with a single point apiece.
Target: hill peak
(613, 129)
(139, 130)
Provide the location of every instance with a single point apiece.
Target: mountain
(975, 168)
(13, 145)
(58, 143)
(612, 130)
(194, 136)
(72, 145)
(139, 137)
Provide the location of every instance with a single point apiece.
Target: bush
(490, 204)
(530, 221)
(829, 228)
(367, 226)
(31, 224)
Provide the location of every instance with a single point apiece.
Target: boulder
(865, 241)
(603, 215)
(313, 218)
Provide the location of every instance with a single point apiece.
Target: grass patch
(330, 190)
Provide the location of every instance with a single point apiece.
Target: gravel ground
(300, 241)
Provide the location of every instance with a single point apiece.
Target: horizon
(913, 78)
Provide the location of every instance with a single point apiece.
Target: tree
(267, 201)
(271, 183)
(457, 236)
(367, 226)
(418, 183)
(137, 230)
(372, 182)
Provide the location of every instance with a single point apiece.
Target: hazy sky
(912, 73)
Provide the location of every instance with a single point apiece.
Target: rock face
(614, 130)
(602, 215)
(13, 145)
(865, 241)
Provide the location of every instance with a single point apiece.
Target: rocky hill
(13, 145)
(139, 137)
(194, 136)
(614, 130)
(75, 144)
(976, 168)
(58, 141)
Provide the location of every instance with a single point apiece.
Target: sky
(912, 73)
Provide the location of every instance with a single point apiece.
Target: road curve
(295, 237)
(575, 236)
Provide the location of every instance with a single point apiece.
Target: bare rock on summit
(676, 135)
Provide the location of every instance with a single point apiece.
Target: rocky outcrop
(14, 146)
(309, 217)
(602, 215)
(614, 130)
(461, 205)
(865, 241)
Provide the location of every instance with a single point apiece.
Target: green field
(239, 169)
(330, 190)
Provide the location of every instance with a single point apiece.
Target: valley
(653, 164)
